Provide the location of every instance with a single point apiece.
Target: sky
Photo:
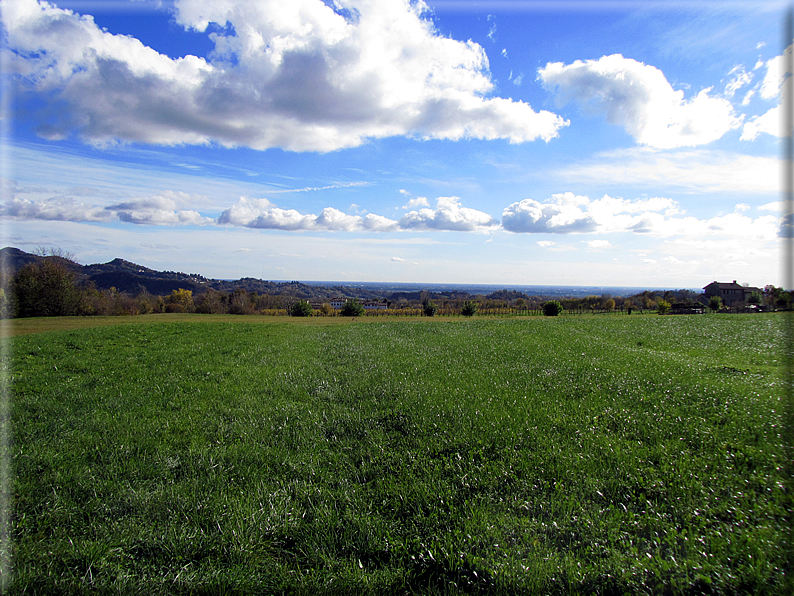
(514, 142)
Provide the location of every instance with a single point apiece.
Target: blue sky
(504, 142)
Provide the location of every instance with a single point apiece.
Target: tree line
(51, 287)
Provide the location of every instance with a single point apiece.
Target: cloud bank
(566, 213)
(448, 215)
(561, 214)
(639, 98)
(298, 75)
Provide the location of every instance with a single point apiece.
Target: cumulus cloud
(300, 75)
(448, 215)
(768, 123)
(567, 213)
(771, 88)
(417, 202)
(161, 209)
(262, 214)
(639, 98)
(54, 209)
(562, 216)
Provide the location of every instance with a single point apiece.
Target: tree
(469, 308)
(5, 311)
(552, 308)
(662, 307)
(715, 303)
(179, 301)
(755, 298)
(211, 302)
(429, 309)
(47, 288)
(301, 308)
(351, 308)
(610, 304)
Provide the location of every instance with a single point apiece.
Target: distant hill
(133, 279)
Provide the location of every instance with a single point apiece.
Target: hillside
(132, 278)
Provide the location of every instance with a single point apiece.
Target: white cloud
(492, 29)
(597, 243)
(771, 88)
(688, 170)
(639, 98)
(563, 216)
(738, 78)
(775, 75)
(55, 209)
(448, 215)
(162, 217)
(545, 243)
(297, 75)
(262, 214)
(398, 259)
(742, 207)
(567, 213)
(160, 209)
(768, 122)
(416, 202)
(773, 206)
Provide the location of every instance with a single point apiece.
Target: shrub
(179, 301)
(469, 308)
(352, 308)
(663, 307)
(47, 288)
(552, 308)
(429, 309)
(301, 308)
(715, 303)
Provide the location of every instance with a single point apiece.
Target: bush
(469, 308)
(715, 303)
(47, 288)
(352, 308)
(429, 309)
(301, 308)
(663, 307)
(552, 308)
(179, 301)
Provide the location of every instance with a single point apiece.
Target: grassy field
(569, 455)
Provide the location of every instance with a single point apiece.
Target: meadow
(592, 455)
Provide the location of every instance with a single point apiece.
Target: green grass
(572, 455)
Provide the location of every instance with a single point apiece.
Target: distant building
(337, 302)
(732, 294)
(376, 305)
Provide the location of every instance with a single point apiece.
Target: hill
(132, 278)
